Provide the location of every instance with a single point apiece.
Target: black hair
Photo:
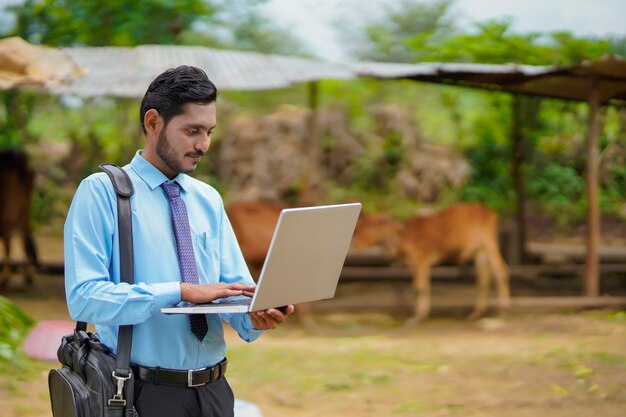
(174, 88)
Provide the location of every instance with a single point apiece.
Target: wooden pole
(592, 287)
(517, 151)
(314, 149)
(313, 87)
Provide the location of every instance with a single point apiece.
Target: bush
(559, 189)
(14, 324)
(490, 180)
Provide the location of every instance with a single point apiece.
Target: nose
(204, 143)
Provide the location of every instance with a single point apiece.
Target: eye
(192, 132)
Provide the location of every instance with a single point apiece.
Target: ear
(152, 121)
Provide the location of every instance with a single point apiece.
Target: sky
(313, 21)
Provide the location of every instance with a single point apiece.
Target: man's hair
(174, 88)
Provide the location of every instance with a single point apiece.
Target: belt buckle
(190, 383)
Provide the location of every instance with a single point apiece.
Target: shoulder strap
(124, 188)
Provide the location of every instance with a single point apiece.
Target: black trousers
(211, 400)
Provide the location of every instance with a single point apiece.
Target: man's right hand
(205, 293)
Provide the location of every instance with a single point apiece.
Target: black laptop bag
(93, 382)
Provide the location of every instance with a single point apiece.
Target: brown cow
(458, 234)
(16, 186)
(254, 223)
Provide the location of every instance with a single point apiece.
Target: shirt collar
(151, 174)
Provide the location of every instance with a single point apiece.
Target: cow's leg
(421, 284)
(501, 275)
(6, 265)
(483, 281)
(32, 263)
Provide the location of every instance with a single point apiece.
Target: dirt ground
(358, 364)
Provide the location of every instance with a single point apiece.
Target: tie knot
(172, 189)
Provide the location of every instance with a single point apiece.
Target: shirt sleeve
(93, 294)
(233, 268)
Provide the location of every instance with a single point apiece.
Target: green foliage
(493, 43)
(402, 29)
(14, 323)
(490, 176)
(107, 22)
(15, 110)
(213, 23)
(414, 31)
(618, 45)
(252, 32)
(407, 31)
(482, 123)
(560, 190)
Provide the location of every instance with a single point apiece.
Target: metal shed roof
(127, 72)
(569, 83)
(436, 69)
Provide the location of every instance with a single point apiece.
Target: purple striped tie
(186, 258)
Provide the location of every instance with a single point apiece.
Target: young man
(184, 250)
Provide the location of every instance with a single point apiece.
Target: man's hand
(269, 319)
(205, 293)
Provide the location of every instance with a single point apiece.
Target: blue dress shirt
(92, 271)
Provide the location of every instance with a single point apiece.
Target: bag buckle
(118, 399)
(190, 383)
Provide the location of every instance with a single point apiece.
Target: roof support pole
(593, 210)
(313, 148)
(517, 174)
(314, 97)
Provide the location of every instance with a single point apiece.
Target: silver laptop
(303, 262)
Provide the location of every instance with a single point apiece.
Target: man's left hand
(270, 318)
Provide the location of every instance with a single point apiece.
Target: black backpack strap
(124, 188)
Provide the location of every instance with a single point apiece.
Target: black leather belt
(191, 378)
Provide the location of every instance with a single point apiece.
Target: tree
(107, 22)
(406, 24)
(618, 45)
(235, 24)
(238, 24)
(416, 31)
(253, 33)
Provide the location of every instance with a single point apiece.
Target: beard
(167, 153)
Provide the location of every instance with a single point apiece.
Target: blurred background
(412, 107)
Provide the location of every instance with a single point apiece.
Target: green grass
(419, 407)
(612, 316)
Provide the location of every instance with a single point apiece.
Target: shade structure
(568, 83)
(127, 72)
(479, 75)
(32, 66)
(605, 77)
(595, 82)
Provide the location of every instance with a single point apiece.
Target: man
(183, 251)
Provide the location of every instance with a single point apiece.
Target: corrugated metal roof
(607, 75)
(436, 69)
(127, 72)
(478, 75)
